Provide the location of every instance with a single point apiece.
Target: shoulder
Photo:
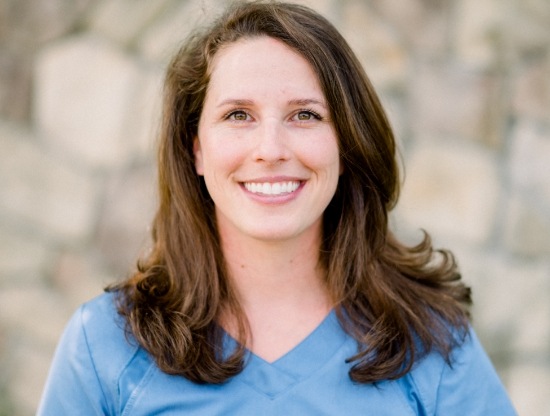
(102, 326)
(93, 363)
(110, 346)
(467, 383)
(116, 357)
(100, 321)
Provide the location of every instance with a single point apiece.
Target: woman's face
(266, 145)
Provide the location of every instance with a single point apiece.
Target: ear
(198, 156)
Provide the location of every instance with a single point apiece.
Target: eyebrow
(299, 101)
(236, 101)
(307, 101)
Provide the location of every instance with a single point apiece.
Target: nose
(271, 146)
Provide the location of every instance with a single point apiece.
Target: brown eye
(307, 115)
(238, 115)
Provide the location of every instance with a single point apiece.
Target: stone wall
(467, 87)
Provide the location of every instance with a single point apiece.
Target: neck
(275, 274)
(280, 287)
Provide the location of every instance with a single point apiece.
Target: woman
(274, 285)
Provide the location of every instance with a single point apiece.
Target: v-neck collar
(296, 365)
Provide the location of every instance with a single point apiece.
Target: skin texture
(265, 121)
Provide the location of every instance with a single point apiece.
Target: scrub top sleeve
(72, 387)
(470, 385)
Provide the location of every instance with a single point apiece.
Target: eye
(307, 115)
(237, 115)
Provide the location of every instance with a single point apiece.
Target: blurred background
(466, 84)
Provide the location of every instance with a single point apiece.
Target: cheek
(220, 159)
(322, 155)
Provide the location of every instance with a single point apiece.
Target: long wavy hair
(398, 302)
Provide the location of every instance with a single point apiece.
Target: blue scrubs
(96, 371)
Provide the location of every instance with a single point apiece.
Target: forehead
(248, 60)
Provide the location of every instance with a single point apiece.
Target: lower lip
(274, 199)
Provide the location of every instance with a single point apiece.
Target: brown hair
(398, 302)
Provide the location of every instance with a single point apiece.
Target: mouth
(272, 188)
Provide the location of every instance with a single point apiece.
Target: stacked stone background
(467, 87)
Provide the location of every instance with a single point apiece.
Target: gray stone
(42, 193)
(84, 91)
(452, 190)
(124, 227)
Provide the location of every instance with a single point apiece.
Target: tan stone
(161, 40)
(511, 310)
(41, 192)
(528, 388)
(451, 101)
(451, 190)
(325, 7)
(23, 258)
(124, 20)
(424, 26)
(478, 25)
(376, 46)
(529, 156)
(125, 223)
(85, 89)
(34, 312)
(80, 276)
(31, 364)
(30, 23)
(531, 98)
(142, 119)
(527, 228)
(527, 27)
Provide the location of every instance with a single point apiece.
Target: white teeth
(267, 188)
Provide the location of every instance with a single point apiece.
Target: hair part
(398, 302)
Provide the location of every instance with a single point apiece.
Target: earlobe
(198, 156)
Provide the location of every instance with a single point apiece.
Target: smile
(276, 188)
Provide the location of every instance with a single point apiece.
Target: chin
(281, 234)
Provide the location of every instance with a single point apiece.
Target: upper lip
(273, 179)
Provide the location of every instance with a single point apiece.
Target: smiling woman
(275, 285)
